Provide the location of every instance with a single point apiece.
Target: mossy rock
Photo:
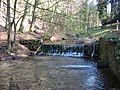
(31, 44)
(117, 51)
(111, 36)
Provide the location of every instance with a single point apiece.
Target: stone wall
(107, 55)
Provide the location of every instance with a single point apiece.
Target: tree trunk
(0, 3)
(0, 9)
(33, 15)
(24, 15)
(14, 42)
(8, 26)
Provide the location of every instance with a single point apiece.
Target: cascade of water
(64, 50)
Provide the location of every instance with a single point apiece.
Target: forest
(49, 16)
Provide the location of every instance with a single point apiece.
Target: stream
(61, 68)
(55, 73)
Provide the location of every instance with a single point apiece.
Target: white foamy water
(77, 66)
(74, 54)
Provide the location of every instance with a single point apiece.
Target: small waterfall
(63, 50)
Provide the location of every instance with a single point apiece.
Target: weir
(62, 50)
(75, 50)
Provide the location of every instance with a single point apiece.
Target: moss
(117, 51)
(109, 52)
(111, 36)
(31, 44)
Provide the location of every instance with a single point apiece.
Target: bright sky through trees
(109, 8)
(92, 1)
(95, 2)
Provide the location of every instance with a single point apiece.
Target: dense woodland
(109, 11)
(52, 17)
(48, 16)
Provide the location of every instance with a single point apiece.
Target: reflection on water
(91, 81)
(54, 73)
(91, 77)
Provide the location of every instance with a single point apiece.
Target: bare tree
(13, 22)
(23, 17)
(8, 26)
(33, 15)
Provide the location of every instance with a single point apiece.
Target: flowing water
(56, 72)
(63, 50)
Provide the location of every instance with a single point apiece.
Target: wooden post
(117, 25)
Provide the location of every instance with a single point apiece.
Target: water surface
(54, 73)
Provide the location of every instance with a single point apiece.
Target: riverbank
(20, 50)
(109, 52)
(23, 51)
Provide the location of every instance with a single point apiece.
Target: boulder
(56, 38)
